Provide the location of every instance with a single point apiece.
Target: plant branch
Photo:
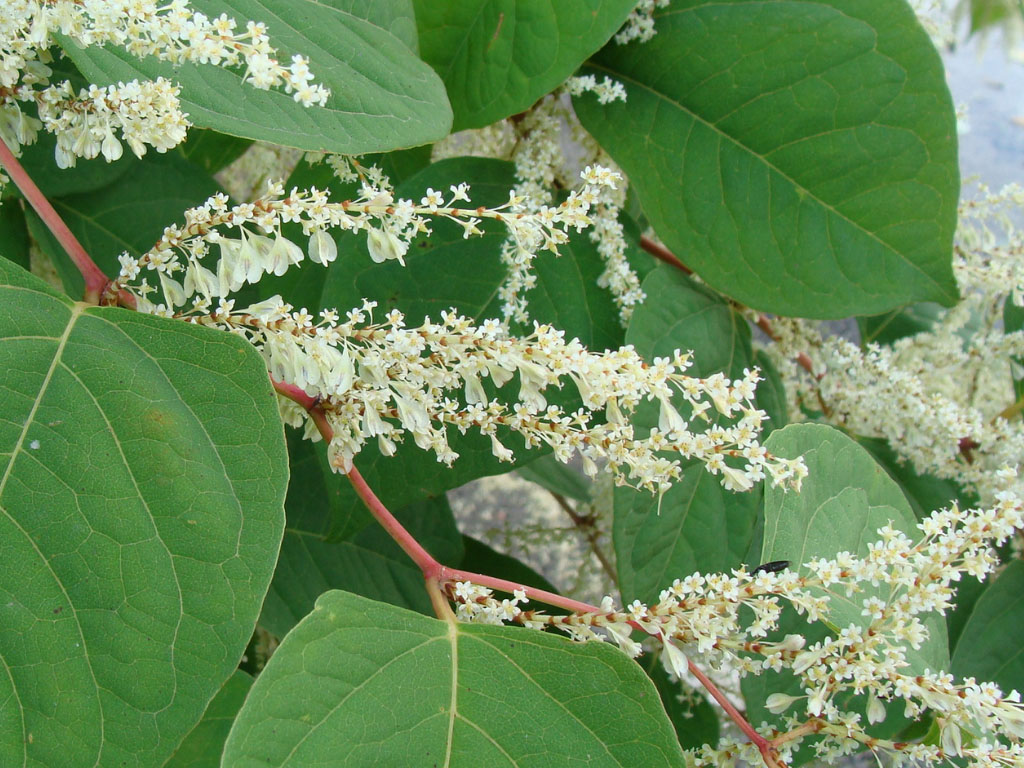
(768, 752)
(540, 595)
(437, 575)
(661, 253)
(95, 280)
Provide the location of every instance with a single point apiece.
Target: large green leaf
(14, 239)
(926, 493)
(202, 747)
(382, 95)
(127, 215)
(396, 16)
(799, 155)
(443, 270)
(212, 151)
(86, 176)
(682, 314)
(142, 485)
(845, 499)
(364, 683)
(989, 647)
(497, 57)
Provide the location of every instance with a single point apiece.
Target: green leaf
(926, 493)
(212, 151)
(696, 526)
(498, 57)
(800, 156)
(141, 488)
(844, 500)
(87, 175)
(989, 647)
(968, 592)
(382, 96)
(898, 323)
(548, 472)
(371, 684)
(368, 563)
(681, 314)
(396, 16)
(14, 239)
(129, 215)
(443, 270)
(1013, 320)
(202, 747)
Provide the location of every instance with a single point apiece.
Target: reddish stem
(95, 280)
(430, 567)
(660, 252)
(764, 746)
(541, 595)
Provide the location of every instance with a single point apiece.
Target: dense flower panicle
(379, 381)
(535, 142)
(541, 166)
(943, 398)
(640, 22)
(729, 618)
(86, 122)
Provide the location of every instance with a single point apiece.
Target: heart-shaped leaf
(800, 156)
(142, 481)
(371, 684)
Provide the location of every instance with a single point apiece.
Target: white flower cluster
(390, 225)
(640, 22)
(540, 168)
(944, 397)
(723, 617)
(922, 397)
(86, 124)
(381, 381)
(989, 252)
(606, 91)
(144, 113)
(477, 604)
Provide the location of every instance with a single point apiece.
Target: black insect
(773, 567)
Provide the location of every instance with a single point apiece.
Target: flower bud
(778, 703)
(384, 245)
(322, 248)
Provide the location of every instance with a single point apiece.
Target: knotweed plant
(534, 239)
